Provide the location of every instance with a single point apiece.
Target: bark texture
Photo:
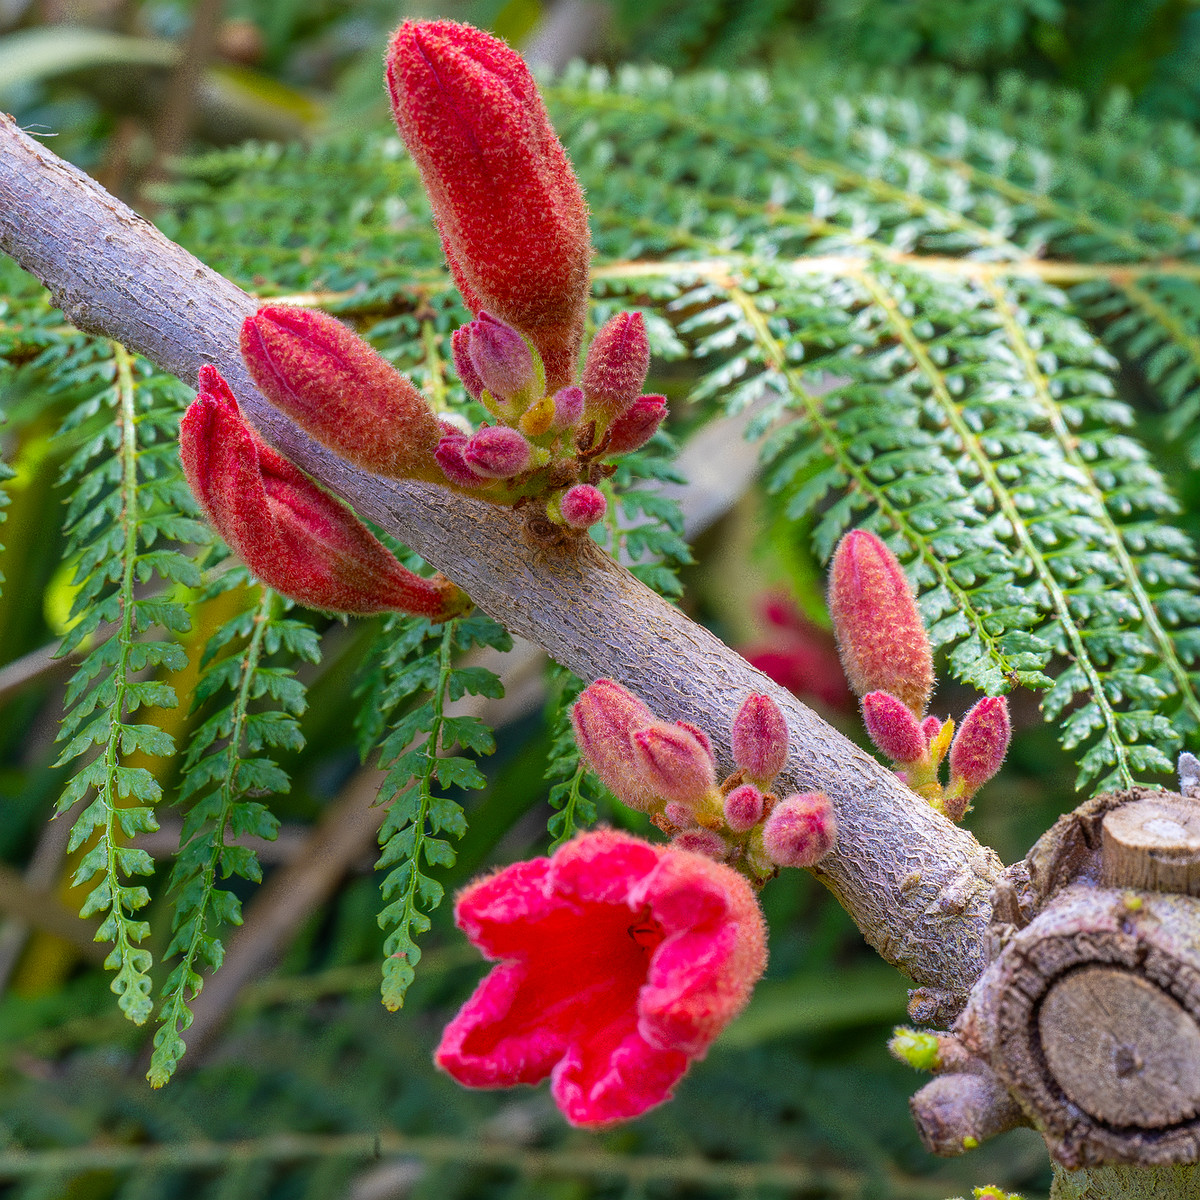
(1089, 1013)
(918, 886)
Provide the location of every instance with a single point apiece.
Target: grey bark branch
(917, 886)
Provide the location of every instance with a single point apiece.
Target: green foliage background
(963, 311)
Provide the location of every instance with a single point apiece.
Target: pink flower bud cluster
(513, 223)
(669, 771)
(889, 663)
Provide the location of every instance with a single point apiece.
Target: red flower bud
(760, 738)
(617, 362)
(637, 424)
(508, 206)
(460, 348)
(295, 537)
(699, 735)
(882, 641)
(702, 841)
(743, 808)
(582, 506)
(605, 718)
(679, 815)
(568, 408)
(800, 831)
(497, 452)
(449, 456)
(930, 728)
(334, 385)
(893, 728)
(674, 763)
(502, 358)
(977, 751)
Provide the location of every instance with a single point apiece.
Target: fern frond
(224, 768)
(869, 261)
(416, 658)
(574, 790)
(124, 511)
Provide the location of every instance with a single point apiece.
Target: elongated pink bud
(582, 506)
(617, 362)
(508, 206)
(882, 641)
(674, 763)
(295, 537)
(605, 717)
(930, 728)
(637, 424)
(978, 750)
(800, 831)
(760, 738)
(460, 347)
(568, 408)
(497, 452)
(893, 728)
(335, 386)
(743, 808)
(502, 358)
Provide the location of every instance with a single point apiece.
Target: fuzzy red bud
(449, 456)
(893, 728)
(674, 763)
(637, 424)
(879, 631)
(679, 815)
(460, 348)
(605, 717)
(336, 387)
(582, 506)
(743, 808)
(295, 537)
(616, 366)
(702, 841)
(568, 408)
(502, 358)
(800, 831)
(507, 204)
(497, 452)
(760, 738)
(978, 750)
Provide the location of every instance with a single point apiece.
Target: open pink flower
(619, 963)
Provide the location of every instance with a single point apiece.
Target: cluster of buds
(514, 228)
(513, 223)
(669, 771)
(888, 660)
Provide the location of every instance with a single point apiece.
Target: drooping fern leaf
(574, 790)
(227, 770)
(873, 262)
(416, 661)
(127, 505)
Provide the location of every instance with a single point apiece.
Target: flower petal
(614, 1079)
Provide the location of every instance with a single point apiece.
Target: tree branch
(917, 886)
